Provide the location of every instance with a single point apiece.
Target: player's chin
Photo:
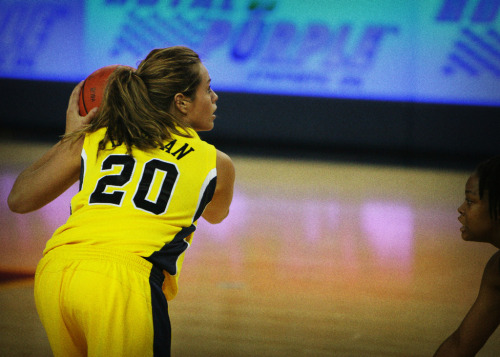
(211, 123)
(206, 127)
(468, 238)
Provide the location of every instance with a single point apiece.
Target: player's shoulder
(494, 262)
(491, 276)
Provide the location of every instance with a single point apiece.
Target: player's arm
(218, 208)
(55, 171)
(481, 320)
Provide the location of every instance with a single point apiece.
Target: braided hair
(488, 173)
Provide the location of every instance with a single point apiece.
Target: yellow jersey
(146, 203)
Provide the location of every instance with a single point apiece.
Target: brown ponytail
(136, 108)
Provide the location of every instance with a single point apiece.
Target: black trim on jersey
(166, 258)
(161, 320)
(82, 172)
(206, 198)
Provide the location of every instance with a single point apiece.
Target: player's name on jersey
(177, 150)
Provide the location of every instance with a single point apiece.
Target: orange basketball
(93, 88)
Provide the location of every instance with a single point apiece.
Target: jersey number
(120, 180)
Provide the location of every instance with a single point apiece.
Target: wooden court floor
(315, 259)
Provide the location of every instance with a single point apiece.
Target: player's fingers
(88, 118)
(75, 95)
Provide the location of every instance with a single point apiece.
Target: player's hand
(74, 121)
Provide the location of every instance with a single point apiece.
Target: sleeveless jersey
(146, 203)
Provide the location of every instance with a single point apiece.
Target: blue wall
(405, 78)
(433, 51)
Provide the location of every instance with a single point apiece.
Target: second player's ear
(181, 102)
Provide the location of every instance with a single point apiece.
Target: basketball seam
(82, 93)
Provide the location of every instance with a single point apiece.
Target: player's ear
(181, 103)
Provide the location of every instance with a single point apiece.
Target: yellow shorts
(95, 302)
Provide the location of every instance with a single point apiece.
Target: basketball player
(102, 286)
(480, 218)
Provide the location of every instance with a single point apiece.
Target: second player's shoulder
(491, 275)
(494, 262)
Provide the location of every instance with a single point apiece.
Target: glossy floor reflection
(315, 259)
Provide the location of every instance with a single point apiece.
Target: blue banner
(445, 51)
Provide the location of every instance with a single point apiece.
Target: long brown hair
(136, 105)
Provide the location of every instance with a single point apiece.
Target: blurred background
(404, 79)
(353, 125)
